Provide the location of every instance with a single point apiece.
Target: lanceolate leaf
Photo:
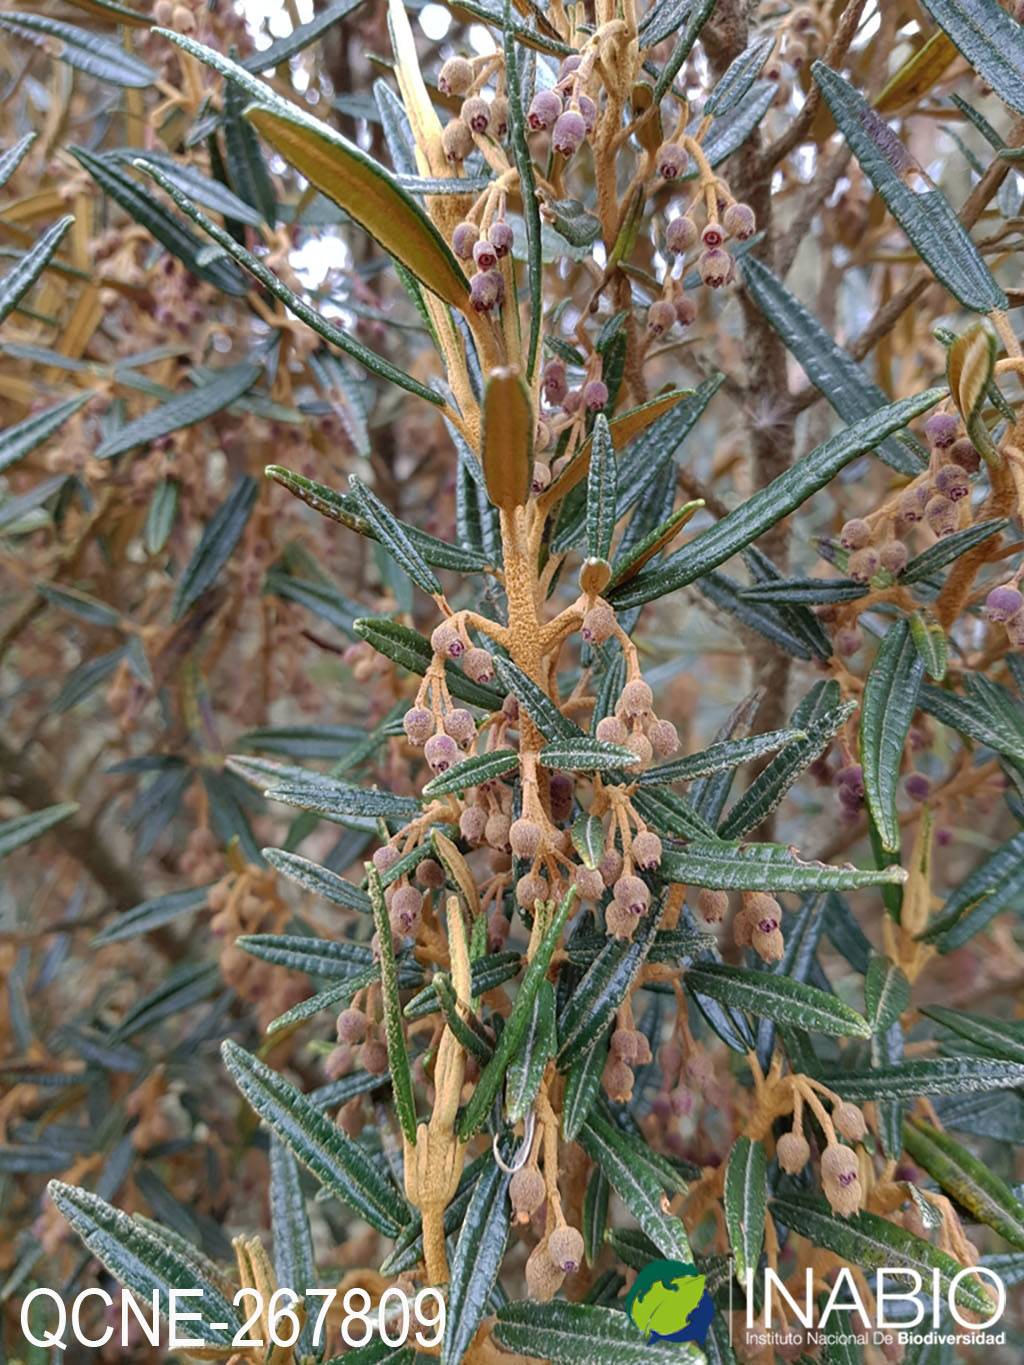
(741, 75)
(604, 987)
(989, 39)
(477, 1260)
(537, 704)
(766, 507)
(944, 551)
(887, 709)
(12, 158)
(145, 1261)
(184, 411)
(294, 1261)
(834, 373)
(635, 1185)
(765, 867)
(339, 1164)
(336, 800)
(150, 914)
(100, 57)
(524, 1074)
(998, 1037)
(17, 282)
(507, 439)
(333, 959)
(471, 772)
(602, 488)
(582, 1084)
(886, 993)
(978, 718)
(719, 757)
(300, 37)
(927, 219)
(929, 1076)
(588, 839)
(966, 1180)
(869, 1241)
(516, 1025)
(323, 327)
(319, 880)
(21, 439)
(398, 1057)
(587, 755)
(527, 189)
(777, 997)
(391, 534)
(931, 644)
(998, 882)
(745, 1202)
(216, 546)
(583, 1334)
(22, 829)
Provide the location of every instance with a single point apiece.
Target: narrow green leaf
(471, 772)
(780, 998)
(931, 644)
(587, 755)
(388, 530)
(765, 867)
(745, 1203)
(966, 1180)
(522, 1081)
(398, 1057)
(146, 1261)
(741, 74)
(602, 491)
(183, 411)
(21, 439)
(486, 973)
(151, 914)
(589, 1010)
(477, 1260)
(18, 281)
(588, 839)
(886, 993)
(337, 336)
(635, 1185)
(319, 880)
(583, 1334)
(582, 1085)
(834, 373)
(516, 1025)
(332, 959)
(869, 1241)
(300, 38)
(769, 505)
(101, 57)
(719, 757)
(934, 230)
(998, 1037)
(339, 1164)
(161, 515)
(887, 709)
(339, 800)
(22, 829)
(216, 546)
(527, 186)
(928, 1076)
(14, 156)
(944, 551)
(696, 16)
(538, 705)
(294, 1258)
(806, 591)
(979, 719)
(989, 39)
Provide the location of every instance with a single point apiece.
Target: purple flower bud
(661, 317)
(893, 556)
(501, 237)
(484, 255)
(855, 534)
(852, 777)
(1002, 603)
(681, 235)
(418, 724)
(739, 222)
(544, 109)
(455, 77)
(940, 515)
(588, 109)
(942, 429)
(457, 140)
(917, 786)
(569, 65)
(568, 133)
(595, 395)
(476, 114)
(952, 480)
(848, 641)
(963, 453)
(554, 382)
(441, 752)
(715, 266)
(464, 239)
(670, 160)
(486, 290)
(713, 235)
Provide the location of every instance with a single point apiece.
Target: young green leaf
(588, 839)
(478, 1256)
(719, 757)
(745, 1203)
(587, 755)
(765, 867)
(340, 1165)
(635, 1185)
(931, 644)
(602, 486)
(19, 280)
(927, 219)
(966, 1180)
(777, 997)
(319, 880)
(516, 1025)
(146, 1261)
(887, 709)
(184, 411)
(869, 1241)
(769, 505)
(998, 1037)
(22, 829)
(398, 1056)
(216, 546)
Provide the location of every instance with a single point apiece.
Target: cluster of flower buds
(840, 1169)
(724, 219)
(628, 1049)
(686, 1071)
(758, 925)
(478, 116)
(633, 722)
(487, 284)
(359, 1044)
(557, 1254)
(1004, 606)
(589, 397)
(567, 112)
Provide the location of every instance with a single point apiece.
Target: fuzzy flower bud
(952, 480)
(595, 394)
(455, 77)
(588, 882)
(893, 556)
(632, 894)
(940, 515)
(525, 836)
(681, 235)
(568, 133)
(713, 234)
(496, 831)
(554, 383)
(447, 642)
(863, 564)
(457, 141)
(670, 160)
(1002, 603)
(565, 1247)
(963, 453)
(942, 429)
(476, 114)
(530, 889)
(598, 624)
(793, 1152)
(405, 908)
(501, 237)
(588, 109)
(385, 857)
(715, 266)
(840, 1179)
(478, 665)
(351, 1026)
(620, 922)
(855, 534)
(739, 222)
(849, 1121)
(545, 107)
(464, 239)
(661, 317)
(610, 730)
(664, 738)
(917, 787)
(441, 752)
(712, 906)
(527, 1192)
(636, 698)
(499, 116)
(617, 1078)
(686, 310)
(543, 1277)
(486, 291)
(646, 850)
(485, 257)
(472, 823)
(418, 724)
(460, 725)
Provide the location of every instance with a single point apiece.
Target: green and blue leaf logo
(669, 1302)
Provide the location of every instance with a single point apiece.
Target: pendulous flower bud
(418, 724)
(455, 76)
(855, 534)
(671, 161)
(739, 222)
(565, 1247)
(715, 266)
(464, 239)
(568, 133)
(476, 114)
(681, 235)
(598, 624)
(545, 108)
(457, 141)
(1002, 603)
(478, 665)
(793, 1152)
